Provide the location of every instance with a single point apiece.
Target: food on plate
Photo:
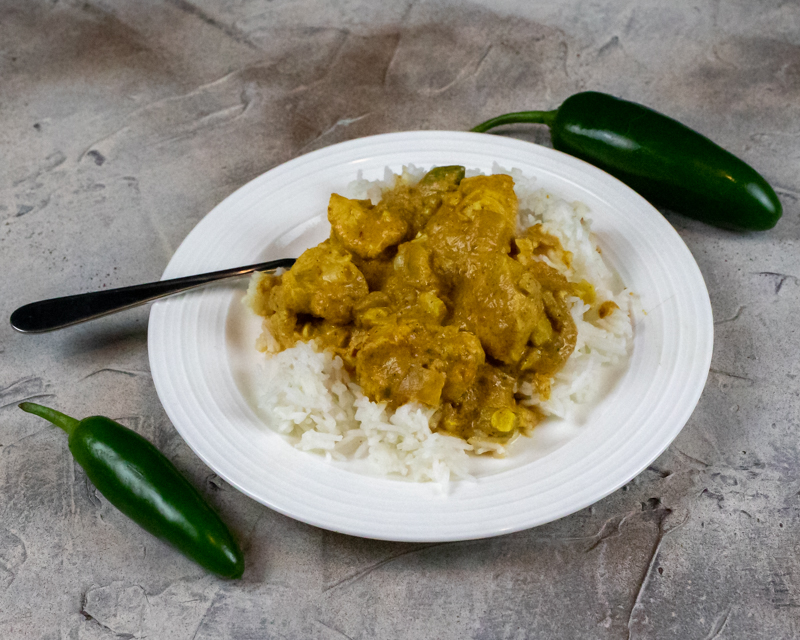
(436, 319)
(139, 481)
(665, 161)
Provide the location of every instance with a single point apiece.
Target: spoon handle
(56, 313)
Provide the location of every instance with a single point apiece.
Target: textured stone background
(124, 123)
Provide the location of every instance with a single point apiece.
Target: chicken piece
(501, 304)
(325, 283)
(411, 362)
(364, 229)
(462, 355)
(412, 268)
(413, 286)
(377, 308)
(489, 194)
(409, 291)
(478, 218)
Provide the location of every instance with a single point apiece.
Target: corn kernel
(504, 420)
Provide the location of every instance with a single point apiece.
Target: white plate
(203, 359)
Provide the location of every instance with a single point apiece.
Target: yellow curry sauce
(430, 296)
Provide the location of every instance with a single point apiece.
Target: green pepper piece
(441, 179)
(139, 481)
(665, 161)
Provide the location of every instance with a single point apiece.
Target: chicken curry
(432, 296)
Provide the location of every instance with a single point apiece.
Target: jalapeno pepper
(139, 481)
(665, 161)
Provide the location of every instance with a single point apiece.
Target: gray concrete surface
(124, 123)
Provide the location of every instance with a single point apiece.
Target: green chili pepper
(137, 479)
(665, 161)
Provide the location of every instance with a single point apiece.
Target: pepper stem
(56, 417)
(531, 117)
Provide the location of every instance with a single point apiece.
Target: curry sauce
(432, 296)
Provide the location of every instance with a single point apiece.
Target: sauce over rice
(431, 296)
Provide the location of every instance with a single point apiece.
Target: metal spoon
(56, 313)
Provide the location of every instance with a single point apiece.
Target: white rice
(308, 396)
